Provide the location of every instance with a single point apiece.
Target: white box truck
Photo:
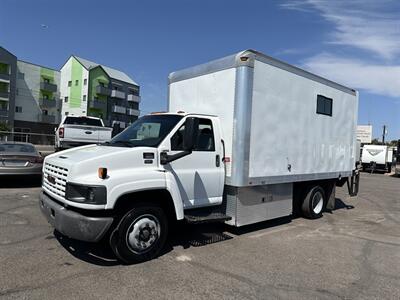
(247, 138)
(377, 157)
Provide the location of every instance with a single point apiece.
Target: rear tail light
(36, 160)
(61, 132)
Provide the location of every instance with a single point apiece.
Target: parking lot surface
(353, 252)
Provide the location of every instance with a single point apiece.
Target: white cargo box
(280, 123)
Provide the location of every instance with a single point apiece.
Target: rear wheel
(140, 235)
(314, 203)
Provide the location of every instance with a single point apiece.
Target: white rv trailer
(377, 157)
(258, 139)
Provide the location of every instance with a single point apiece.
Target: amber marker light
(102, 173)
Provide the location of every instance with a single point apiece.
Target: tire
(314, 203)
(140, 235)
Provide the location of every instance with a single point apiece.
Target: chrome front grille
(55, 179)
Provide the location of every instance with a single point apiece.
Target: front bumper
(71, 223)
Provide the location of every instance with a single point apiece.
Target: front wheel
(140, 235)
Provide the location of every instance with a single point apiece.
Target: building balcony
(98, 104)
(48, 103)
(118, 109)
(3, 112)
(132, 112)
(5, 77)
(49, 87)
(133, 98)
(117, 94)
(119, 123)
(4, 96)
(102, 90)
(47, 119)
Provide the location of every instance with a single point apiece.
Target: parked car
(18, 158)
(81, 130)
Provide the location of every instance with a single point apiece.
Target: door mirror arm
(165, 158)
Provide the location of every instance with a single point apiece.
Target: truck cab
(163, 164)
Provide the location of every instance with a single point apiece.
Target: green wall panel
(75, 96)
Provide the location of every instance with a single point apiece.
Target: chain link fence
(28, 137)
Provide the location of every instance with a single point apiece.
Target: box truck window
(324, 105)
(205, 137)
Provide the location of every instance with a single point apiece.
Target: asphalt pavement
(350, 253)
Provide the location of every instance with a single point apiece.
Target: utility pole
(383, 134)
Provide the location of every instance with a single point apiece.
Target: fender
(158, 180)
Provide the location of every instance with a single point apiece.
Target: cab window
(205, 137)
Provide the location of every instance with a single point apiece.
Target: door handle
(217, 161)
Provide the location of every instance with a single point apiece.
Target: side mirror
(190, 133)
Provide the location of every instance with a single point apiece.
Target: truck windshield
(83, 121)
(147, 131)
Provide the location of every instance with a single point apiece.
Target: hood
(83, 163)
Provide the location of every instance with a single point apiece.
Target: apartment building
(34, 98)
(91, 89)
(8, 71)
(37, 101)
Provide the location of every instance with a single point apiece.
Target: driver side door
(199, 175)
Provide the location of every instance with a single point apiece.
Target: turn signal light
(102, 173)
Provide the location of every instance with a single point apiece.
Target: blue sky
(355, 44)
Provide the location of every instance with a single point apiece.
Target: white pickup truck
(81, 130)
(259, 140)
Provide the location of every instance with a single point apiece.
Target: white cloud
(377, 79)
(364, 24)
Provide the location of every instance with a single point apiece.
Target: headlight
(88, 194)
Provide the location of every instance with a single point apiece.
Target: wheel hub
(143, 233)
(317, 202)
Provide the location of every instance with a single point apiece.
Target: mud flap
(330, 194)
(353, 183)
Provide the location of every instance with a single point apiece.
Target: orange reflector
(102, 173)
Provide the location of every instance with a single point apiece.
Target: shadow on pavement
(94, 253)
(20, 181)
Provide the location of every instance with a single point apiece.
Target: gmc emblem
(51, 179)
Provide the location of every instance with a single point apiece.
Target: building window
(18, 109)
(69, 83)
(324, 105)
(84, 97)
(85, 81)
(76, 82)
(65, 99)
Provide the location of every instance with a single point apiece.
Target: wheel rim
(143, 233)
(317, 202)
